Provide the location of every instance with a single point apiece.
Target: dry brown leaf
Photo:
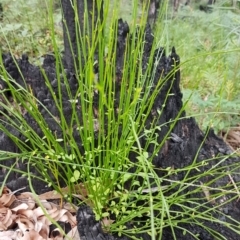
(81, 197)
(27, 198)
(70, 207)
(7, 197)
(8, 235)
(232, 138)
(62, 215)
(6, 218)
(49, 205)
(107, 222)
(3, 227)
(78, 188)
(25, 195)
(31, 235)
(56, 234)
(44, 232)
(56, 213)
(6, 190)
(20, 207)
(32, 221)
(50, 195)
(27, 213)
(73, 234)
(24, 223)
(71, 219)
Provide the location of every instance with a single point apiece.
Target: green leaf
(75, 177)
(105, 214)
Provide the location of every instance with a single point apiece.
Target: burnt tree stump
(185, 144)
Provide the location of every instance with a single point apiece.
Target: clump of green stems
(104, 166)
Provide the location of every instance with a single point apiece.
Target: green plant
(103, 162)
(208, 45)
(28, 36)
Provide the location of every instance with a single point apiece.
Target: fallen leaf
(73, 234)
(31, 221)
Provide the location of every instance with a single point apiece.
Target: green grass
(208, 47)
(26, 27)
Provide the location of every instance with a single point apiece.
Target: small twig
(207, 194)
(152, 190)
(12, 193)
(235, 186)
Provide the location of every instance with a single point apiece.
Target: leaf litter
(232, 137)
(27, 216)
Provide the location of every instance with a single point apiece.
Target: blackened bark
(152, 11)
(88, 15)
(208, 7)
(1, 12)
